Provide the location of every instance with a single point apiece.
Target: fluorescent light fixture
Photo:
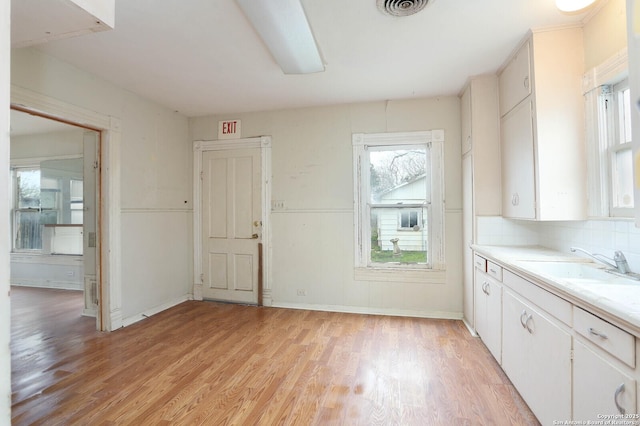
(284, 28)
(573, 5)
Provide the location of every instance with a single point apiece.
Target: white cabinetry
(568, 361)
(515, 79)
(603, 362)
(481, 168)
(518, 166)
(599, 387)
(488, 297)
(543, 154)
(537, 358)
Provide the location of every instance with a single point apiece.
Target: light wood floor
(213, 364)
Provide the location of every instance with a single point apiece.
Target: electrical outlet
(277, 205)
(302, 292)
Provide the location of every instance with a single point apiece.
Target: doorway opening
(55, 193)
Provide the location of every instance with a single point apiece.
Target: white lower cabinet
(536, 355)
(599, 388)
(568, 362)
(488, 321)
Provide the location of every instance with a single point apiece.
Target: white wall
(605, 33)
(155, 178)
(54, 144)
(5, 311)
(312, 238)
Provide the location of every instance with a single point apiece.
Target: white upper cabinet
(542, 128)
(518, 171)
(481, 136)
(515, 80)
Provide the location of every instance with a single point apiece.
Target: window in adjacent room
(399, 200)
(36, 203)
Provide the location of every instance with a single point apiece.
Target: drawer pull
(619, 390)
(594, 332)
(522, 318)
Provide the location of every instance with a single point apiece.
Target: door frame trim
(199, 147)
(108, 271)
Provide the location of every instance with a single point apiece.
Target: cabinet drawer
(559, 308)
(494, 270)
(607, 336)
(480, 262)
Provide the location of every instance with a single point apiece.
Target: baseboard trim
(42, 283)
(157, 309)
(371, 311)
(469, 327)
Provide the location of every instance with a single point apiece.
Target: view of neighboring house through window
(399, 210)
(399, 206)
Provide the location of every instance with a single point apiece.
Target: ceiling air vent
(401, 7)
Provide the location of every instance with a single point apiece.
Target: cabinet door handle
(485, 288)
(619, 390)
(594, 332)
(526, 323)
(526, 82)
(515, 199)
(522, 317)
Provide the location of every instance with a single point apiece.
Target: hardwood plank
(214, 363)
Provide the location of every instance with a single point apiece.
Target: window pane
(623, 179)
(76, 200)
(397, 177)
(624, 112)
(28, 189)
(28, 230)
(398, 236)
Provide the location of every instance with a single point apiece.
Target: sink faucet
(619, 262)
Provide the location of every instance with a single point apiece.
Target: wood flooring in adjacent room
(212, 364)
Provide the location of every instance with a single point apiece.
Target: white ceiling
(202, 57)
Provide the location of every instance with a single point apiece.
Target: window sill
(425, 276)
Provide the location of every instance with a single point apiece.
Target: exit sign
(229, 129)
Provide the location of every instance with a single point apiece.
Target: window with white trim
(618, 113)
(399, 200)
(610, 163)
(45, 196)
(410, 220)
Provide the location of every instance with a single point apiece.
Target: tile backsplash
(596, 236)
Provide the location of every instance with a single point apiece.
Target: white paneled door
(231, 224)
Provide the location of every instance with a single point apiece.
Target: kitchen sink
(570, 270)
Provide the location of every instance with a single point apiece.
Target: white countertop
(616, 300)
